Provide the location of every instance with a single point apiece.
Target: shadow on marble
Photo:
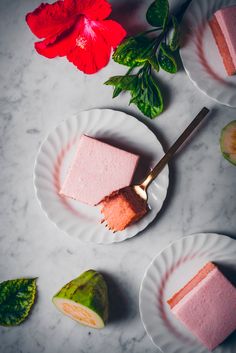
(171, 192)
(119, 308)
(231, 340)
(179, 62)
(127, 14)
(199, 130)
(228, 270)
(131, 14)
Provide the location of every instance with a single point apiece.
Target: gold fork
(139, 191)
(141, 188)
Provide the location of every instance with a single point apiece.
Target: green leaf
(157, 13)
(175, 37)
(147, 97)
(16, 299)
(125, 83)
(133, 52)
(116, 92)
(154, 62)
(166, 59)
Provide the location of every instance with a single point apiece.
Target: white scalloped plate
(200, 55)
(57, 151)
(168, 272)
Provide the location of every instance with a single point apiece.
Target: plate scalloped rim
(201, 239)
(92, 122)
(197, 11)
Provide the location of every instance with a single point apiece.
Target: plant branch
(148, 31)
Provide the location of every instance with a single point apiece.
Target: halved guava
(85, 299)
(228, 142)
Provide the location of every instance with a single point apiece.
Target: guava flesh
(228, 142)
(85, 299)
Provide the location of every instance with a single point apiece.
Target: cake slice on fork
(122, 208)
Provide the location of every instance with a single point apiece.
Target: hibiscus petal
(94, 44)
(93, 9)
(91, 59)
(58, 45)
(112, 31)
(50, 19)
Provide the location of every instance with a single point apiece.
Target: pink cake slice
(97, 170)
(223, 26)
(206, 305)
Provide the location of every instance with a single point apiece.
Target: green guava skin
(225, 133)
(90, 290)
(229, 158)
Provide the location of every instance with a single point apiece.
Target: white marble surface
(35, 95)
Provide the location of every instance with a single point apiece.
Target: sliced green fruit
(228, 142)
(85, 299)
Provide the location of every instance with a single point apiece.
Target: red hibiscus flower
(78, 30)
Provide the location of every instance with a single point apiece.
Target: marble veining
(35, 95)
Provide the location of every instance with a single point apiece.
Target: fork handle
(169, 154)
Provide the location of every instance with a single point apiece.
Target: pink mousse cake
(223, 26)
(123, 208)
(97, 170)
(206, 305)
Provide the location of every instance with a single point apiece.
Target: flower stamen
(81, 42)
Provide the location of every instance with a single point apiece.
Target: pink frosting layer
(226, 19)
(208, 311)
(97, 170)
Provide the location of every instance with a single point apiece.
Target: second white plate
(200, 55)
(56, 153)
(171, 270)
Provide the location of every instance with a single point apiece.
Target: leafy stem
(148, 53)
(149, 31)
(129, 71)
